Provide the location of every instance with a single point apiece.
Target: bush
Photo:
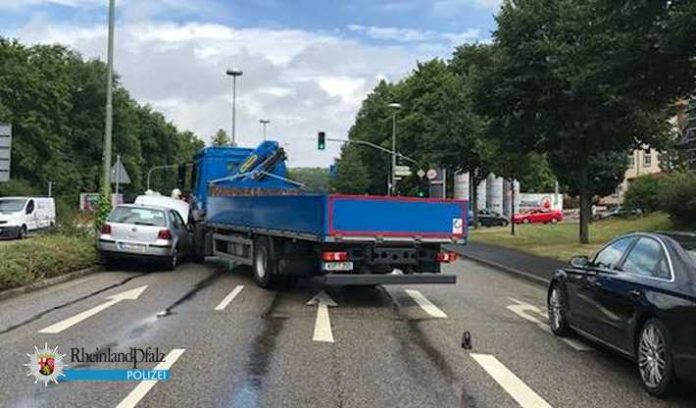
(679, 198)
(644, 193)
(25, 262)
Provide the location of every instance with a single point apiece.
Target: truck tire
(265, 263)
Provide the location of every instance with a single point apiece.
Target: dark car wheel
(22, 234)
(173, 260)
(525, 221)
(654, 355)
(558, 311)
(264, 262)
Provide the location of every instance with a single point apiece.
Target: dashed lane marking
(425, 304)
(229, 298)
(512, 384)
(144, 386)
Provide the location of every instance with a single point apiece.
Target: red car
(538, 215)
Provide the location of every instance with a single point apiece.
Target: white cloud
(405, 35)
(302, 81)
(455, 7)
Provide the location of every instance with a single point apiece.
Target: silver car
(144, 233)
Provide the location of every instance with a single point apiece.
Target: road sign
(122, 176)
(402, 171)
(432, 174)
(5, 151)
(420, 173)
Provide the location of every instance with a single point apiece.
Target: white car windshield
(10, 205)
(138, 216)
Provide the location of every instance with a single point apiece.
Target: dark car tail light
(330, 256)
(105, 229)
(164, 234)
(446, 257)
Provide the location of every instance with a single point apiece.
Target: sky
(307, 65)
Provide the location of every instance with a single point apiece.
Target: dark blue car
(637, 295)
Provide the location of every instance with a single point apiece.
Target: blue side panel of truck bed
(290, 213)
(325, 216)
(396, 216)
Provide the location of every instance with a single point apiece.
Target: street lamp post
(109, 95)
(395, 106)
(234, 73)
(263, 123)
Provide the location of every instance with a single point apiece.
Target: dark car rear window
(138, 216)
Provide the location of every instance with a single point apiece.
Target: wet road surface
(232, 344)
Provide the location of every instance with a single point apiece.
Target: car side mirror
(579, 261)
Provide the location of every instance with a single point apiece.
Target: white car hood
(10, 218)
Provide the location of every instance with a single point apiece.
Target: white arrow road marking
(71, 321)
(322, 326)
(521, 309)
(229, 298)
(425, 304)
(144, 386)
(517, 389)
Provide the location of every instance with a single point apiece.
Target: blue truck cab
(246, 210)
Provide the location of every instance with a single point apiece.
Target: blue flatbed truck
(246, 210)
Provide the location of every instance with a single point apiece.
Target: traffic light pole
(378, 147)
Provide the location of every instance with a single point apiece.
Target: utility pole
(109, 95)
(263, 123)
(234, 73)
(396, 107)
(50, 189)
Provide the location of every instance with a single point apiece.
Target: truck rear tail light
(105, 229)
(446, 257)
(164, 234)
(330, 256)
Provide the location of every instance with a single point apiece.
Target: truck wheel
(265, 263)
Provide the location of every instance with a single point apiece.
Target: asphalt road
(392, 346)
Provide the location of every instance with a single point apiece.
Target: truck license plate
(337, 266)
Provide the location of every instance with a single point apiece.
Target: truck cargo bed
(333, 217)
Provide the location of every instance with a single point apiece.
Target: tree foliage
(678, 197)
(644, 194)
(585, 81)
(315, 179)
(55, 101)
(351, 174)
(221, 138)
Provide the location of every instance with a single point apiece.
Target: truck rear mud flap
(388, 279)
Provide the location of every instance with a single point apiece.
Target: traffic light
(321, 141)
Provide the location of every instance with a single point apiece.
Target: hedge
(25, 262)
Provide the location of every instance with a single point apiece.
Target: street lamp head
(394, 105)
(264, 121)
(234, 72)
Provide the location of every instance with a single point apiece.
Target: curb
(536, 279)
(47, 282)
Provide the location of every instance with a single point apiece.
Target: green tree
(351, 174)
(678, 198)
(578, 79)
(55, 101)
(315, 179)
(644, 193)
(221, 138)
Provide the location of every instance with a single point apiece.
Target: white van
(22, 215)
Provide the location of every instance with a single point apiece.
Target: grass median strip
(28, 261)
(560, 241)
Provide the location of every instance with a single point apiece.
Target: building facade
(688, 141)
